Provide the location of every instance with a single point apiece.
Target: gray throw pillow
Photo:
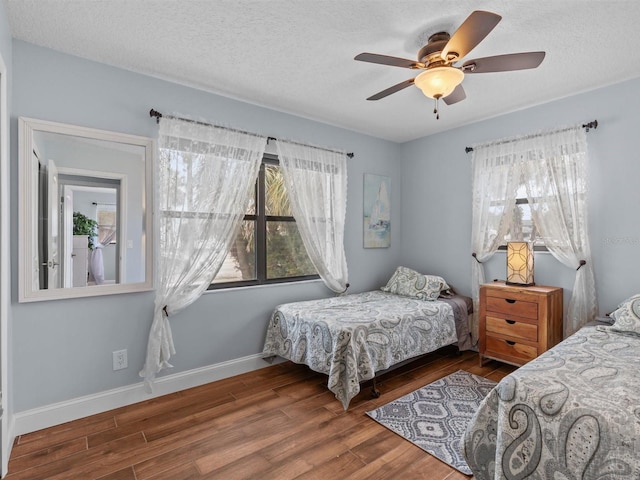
(409, 283)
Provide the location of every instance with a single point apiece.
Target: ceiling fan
(440, 78)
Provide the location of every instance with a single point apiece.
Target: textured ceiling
(296, 56)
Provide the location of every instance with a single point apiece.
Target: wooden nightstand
(518, 323)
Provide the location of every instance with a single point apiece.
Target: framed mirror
(85, 211)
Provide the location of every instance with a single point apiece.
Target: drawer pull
(509, 300)
(509, 342)
(510, 322)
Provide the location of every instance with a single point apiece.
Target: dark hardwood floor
(279, 422)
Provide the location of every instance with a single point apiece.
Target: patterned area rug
(435, 416)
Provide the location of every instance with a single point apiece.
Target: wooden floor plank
(327, 434)
(241, 469)
(380, 467)
(157, 419)
(220, 416)
(278, 422)
(124, 474)
(79, 465)
(260, 438)
(49, 437)
(415, 464)
(47, 455)
(336, 467)
(187, 471)
(200, 441)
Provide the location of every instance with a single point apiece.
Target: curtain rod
(586, 126)
(158, 115)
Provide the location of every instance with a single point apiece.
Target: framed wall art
(377, 211)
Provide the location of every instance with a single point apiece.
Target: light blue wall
(436, 193)
(62, 349)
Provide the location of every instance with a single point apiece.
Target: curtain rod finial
(155, 113)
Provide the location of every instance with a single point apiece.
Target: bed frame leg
(375, 393)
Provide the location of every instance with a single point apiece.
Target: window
(268, 248)
(522, 227)
(107, 223)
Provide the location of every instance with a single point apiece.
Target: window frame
(260, 220)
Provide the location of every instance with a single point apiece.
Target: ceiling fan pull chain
(435, 108)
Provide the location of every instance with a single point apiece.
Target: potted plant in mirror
(85, 226)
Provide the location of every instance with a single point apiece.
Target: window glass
(286, 255)
(240, 262)
(277, 200)
(522, 227)
(268, 248)
(107, 223)
(251, 207)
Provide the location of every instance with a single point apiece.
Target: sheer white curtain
(495, 182)
(554, 170)
(96, 261)
(96, 264)
(553, 167)
(316, 180)
(206, 175)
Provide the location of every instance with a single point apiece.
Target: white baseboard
(57, 413)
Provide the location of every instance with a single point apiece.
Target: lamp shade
(439, 82)
(519, 263)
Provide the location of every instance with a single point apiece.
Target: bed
(572, 413)
(350, 338)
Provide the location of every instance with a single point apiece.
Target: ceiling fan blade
(504, 63)
(390, 90)
(387, 60)
(456, 96)
(470, 33)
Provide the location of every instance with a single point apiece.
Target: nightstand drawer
(507, 348)
(512, 306)
(512, 328)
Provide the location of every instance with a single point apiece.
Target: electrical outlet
(120, 360)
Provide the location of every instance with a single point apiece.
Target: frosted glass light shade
(439, 82)
(519, 263)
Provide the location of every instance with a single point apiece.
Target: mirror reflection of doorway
(70, 260)
(90, 259)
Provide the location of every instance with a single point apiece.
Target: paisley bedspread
(352, 337)
(573, 413)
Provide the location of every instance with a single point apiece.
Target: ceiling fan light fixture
(439, 82)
